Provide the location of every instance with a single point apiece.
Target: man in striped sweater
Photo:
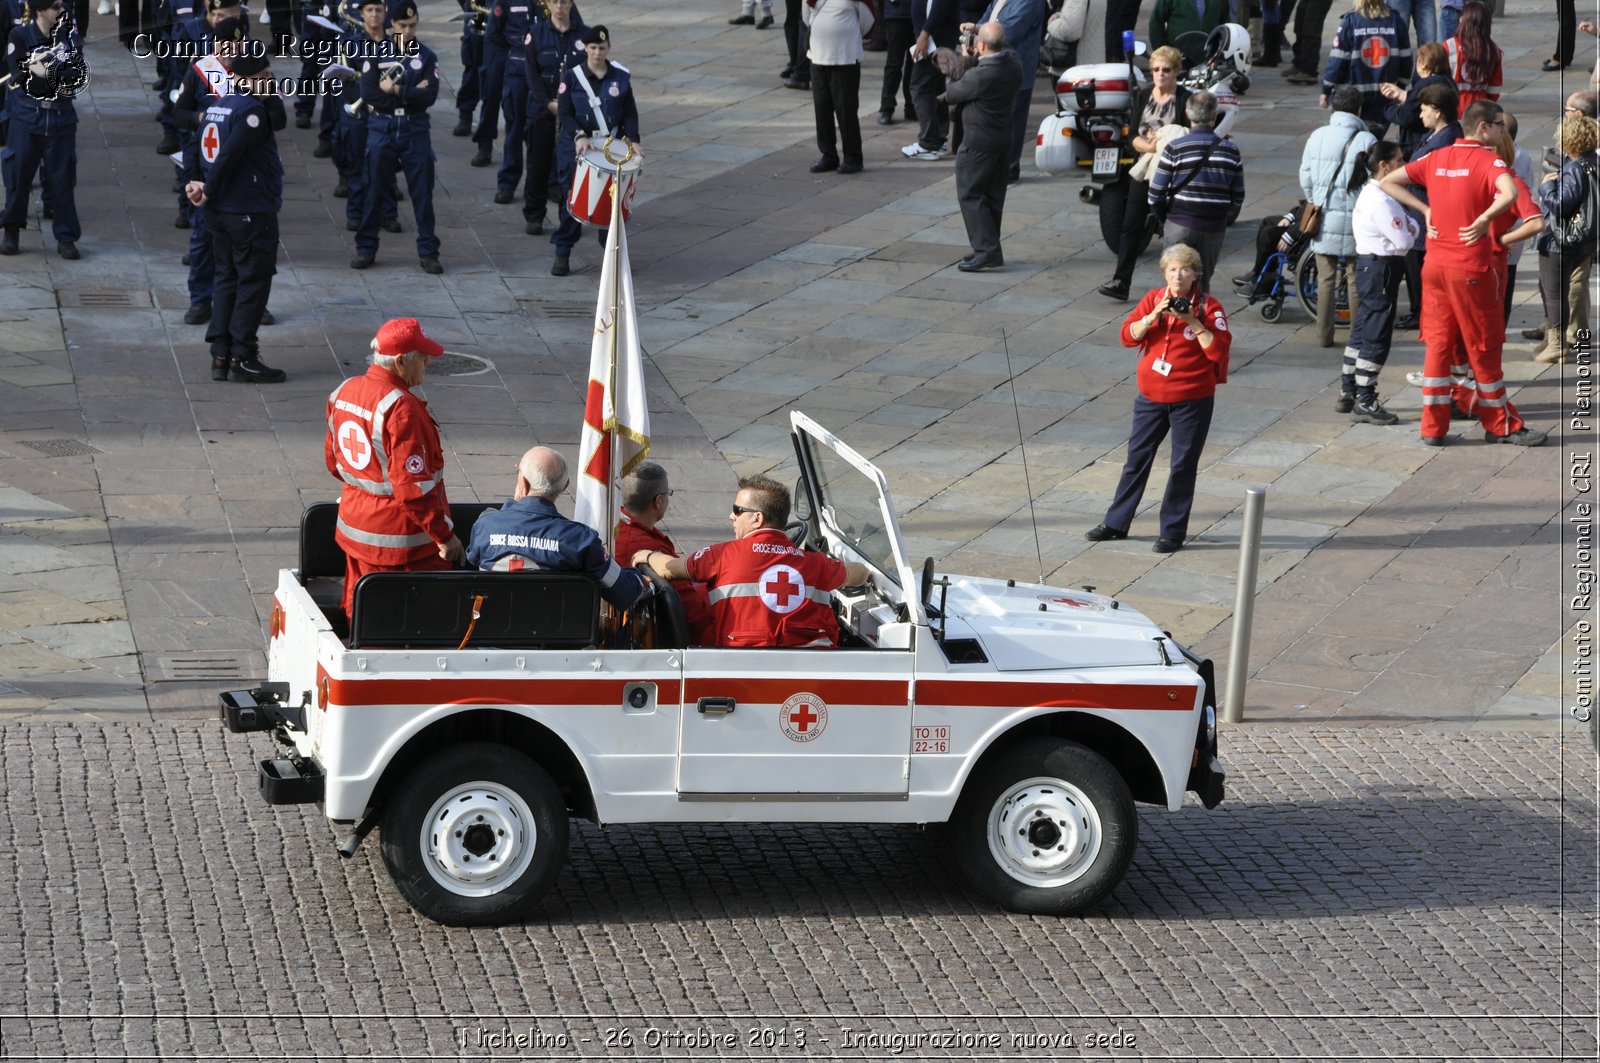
(1198, 185)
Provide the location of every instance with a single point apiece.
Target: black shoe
(504, 195)
(765, 23)
(198, 313)
(168, 145)
(219, 368)
(1100, 533)
(68, 250)
(560, 267)
(825, 165)
(390, 225)
(1522, 437)
(1371, 411)
(1552, 64)
(743, 20)
(1433, 441)
(1345, 402)
(430, 264)
(182, 220)
(1244, 285)
(363, 261)
(803, 84)
(185, 259)
(1406, 323)
(1167, 546)
(849, 167)
(253, 370)
(979, 263)
(342, 189)
(351, 225)
(323, 150)
(1527, 333)
(534, 228)
(302, 121)
(1115, 290)
(463, 128)
(786, 73)
(886, 118)
(484, 156)
(8, 242)
(267, 318)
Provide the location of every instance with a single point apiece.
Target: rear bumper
(288, 780)
(260, 708)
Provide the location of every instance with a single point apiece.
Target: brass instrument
(62, 61)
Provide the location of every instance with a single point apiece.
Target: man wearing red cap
(384, 445)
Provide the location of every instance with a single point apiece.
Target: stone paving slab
(1334, 906)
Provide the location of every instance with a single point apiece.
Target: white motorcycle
(1092, 130)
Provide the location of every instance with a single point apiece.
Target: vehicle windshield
(851, 507)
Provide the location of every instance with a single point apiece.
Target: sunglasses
(1163, 70)
(737, 510)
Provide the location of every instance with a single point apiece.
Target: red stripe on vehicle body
(457, 690)
(986, 693)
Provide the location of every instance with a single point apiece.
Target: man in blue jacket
(234, 172)
(529, 534)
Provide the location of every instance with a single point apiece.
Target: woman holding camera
(1183, 340)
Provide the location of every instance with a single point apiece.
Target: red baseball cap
(402, 335)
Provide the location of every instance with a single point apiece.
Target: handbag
(1310, 219)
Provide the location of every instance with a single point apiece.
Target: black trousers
(794, 36)
(981, 192)
(1188, 423)
(896, 63)
(1308, 20)
(1567, 31)
(933, 117)
(1132, 241)
(245, 247)
(836, 100)
(541, 165)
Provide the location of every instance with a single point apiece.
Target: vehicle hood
(1029, 627)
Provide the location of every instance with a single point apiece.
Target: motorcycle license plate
(1105, 162)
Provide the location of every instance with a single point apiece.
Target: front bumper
(1206, 774)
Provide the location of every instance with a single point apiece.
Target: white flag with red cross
(616, 421)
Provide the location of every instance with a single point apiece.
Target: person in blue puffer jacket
(1326, 167)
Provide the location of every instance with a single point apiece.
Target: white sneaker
(1414, 378)
(924, 155)
(911, 150)
(104, 8)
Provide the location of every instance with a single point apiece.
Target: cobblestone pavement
(145, 511)
(1362, 893)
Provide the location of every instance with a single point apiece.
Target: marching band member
(398, 85)
(43, 129)
(554, 45)
(350, 139)
(235, 174)
(596, 103)
(469, 91)
(507, 29)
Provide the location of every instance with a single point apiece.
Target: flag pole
(614, 249)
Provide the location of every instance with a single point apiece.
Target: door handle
(715, 706)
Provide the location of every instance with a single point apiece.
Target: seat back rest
(321, 556)
(520, 610)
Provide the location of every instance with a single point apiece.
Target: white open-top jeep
(467, 714)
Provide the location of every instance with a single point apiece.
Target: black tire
(1113, 201)
(1271, 310)
(1072, 801)
(479, 787)
(1305, 286)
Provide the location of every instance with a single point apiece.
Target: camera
(967, 42)
(1178, 304)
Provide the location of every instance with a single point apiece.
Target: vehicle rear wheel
(475, 835)
(1046, 827)
(1113, 201)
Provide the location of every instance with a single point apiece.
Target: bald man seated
(528, 534)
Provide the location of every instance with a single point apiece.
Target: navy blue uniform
(507, 30)
(204, 82)
(236, 155)
(549, 53)
(187, 40)
(11, 14)
(529, 534)
(350, 139)
(470, 90)
(398, 138)
(317, 45)
(42, 134)
(618, 116)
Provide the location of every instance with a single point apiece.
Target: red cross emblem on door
(1375, 52)
(354, 445)
(803, 717)
(783, 589)
(210, 143)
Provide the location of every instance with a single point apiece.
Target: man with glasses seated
(528, 534)
(763, 590)
(645, 497)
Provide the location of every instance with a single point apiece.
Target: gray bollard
(1244, 604)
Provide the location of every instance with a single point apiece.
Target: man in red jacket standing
(383, 444)
(764, 590)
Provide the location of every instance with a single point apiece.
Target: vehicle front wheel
(1047, 827)
(475, 835)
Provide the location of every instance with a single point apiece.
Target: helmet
(1228, 46)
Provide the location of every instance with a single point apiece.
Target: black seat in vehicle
(433, 610)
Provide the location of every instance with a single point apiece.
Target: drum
(590, 197)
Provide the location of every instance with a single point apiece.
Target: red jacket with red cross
(383, 444)
(765, 591)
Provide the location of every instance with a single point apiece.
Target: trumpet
(354, 108)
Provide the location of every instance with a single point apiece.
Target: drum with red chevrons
(597, 170)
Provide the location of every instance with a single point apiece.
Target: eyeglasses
(738, 510)
(1163, 70)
